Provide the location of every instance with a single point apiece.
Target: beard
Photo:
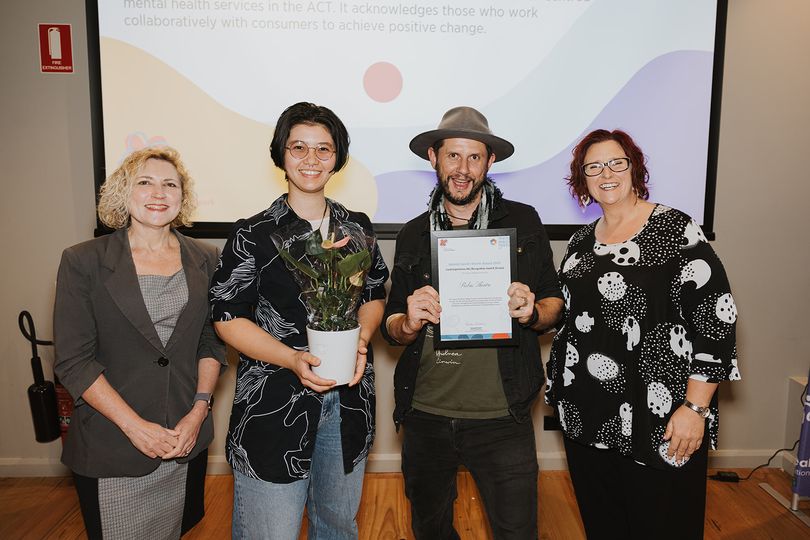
(444, 182)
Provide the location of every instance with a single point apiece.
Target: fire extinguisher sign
(55, 48)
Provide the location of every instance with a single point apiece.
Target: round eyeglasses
(615, 165)
(300, 150)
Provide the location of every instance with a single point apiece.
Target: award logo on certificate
(472, 270)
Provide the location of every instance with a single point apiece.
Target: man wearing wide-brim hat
(469, 406)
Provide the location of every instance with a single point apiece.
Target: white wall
(761, 218)
(47, 204)
(763, 190)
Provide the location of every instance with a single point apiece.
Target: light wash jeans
(265, 510)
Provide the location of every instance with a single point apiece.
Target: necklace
(457, 217)
(323, 217)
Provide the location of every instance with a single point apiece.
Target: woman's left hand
(684, 433)
(189, 429)
(360, 366)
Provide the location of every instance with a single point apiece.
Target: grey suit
(101, 325)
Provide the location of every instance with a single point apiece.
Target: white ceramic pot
(337, 351)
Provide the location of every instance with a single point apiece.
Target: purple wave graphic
(665, 108)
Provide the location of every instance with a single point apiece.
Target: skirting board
(23, 467)
(549, 461)
(789, 463)
(740, 459)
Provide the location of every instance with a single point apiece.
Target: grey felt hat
(462, 123)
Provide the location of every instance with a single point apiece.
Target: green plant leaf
(290, 260)
(325, 255)
(356, 262)
(313, 243)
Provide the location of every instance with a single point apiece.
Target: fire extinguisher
(51, 404)
(64, 407)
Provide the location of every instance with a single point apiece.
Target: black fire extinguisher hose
(41, 394)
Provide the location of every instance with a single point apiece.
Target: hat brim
(500, 147)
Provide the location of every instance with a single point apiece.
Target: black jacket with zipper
(520, 366)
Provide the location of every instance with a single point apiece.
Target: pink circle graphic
(382, 82)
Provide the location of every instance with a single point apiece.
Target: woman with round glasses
(295, 439)
(648, 333)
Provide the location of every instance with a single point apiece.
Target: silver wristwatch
(704, 412)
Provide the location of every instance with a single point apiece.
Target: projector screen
(210, 77)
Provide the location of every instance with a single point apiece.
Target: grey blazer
(101, 326)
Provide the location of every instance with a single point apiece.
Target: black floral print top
(641, 318)
(274, 419)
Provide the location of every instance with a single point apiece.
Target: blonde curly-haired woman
(136, 350)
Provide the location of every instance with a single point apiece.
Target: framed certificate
(472, 270)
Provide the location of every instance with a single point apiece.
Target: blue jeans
(266, 510)
(499, 453)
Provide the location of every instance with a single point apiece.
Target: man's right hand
(423, 307)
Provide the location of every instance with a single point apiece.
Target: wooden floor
(38, 508)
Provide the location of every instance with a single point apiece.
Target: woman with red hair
(647, 335)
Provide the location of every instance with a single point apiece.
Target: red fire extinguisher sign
(55, 48)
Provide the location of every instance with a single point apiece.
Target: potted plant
(331, 273)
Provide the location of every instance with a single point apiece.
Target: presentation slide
(210, 78)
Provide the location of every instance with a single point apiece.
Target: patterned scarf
(440, 221)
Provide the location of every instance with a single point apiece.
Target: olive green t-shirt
(459, 383)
